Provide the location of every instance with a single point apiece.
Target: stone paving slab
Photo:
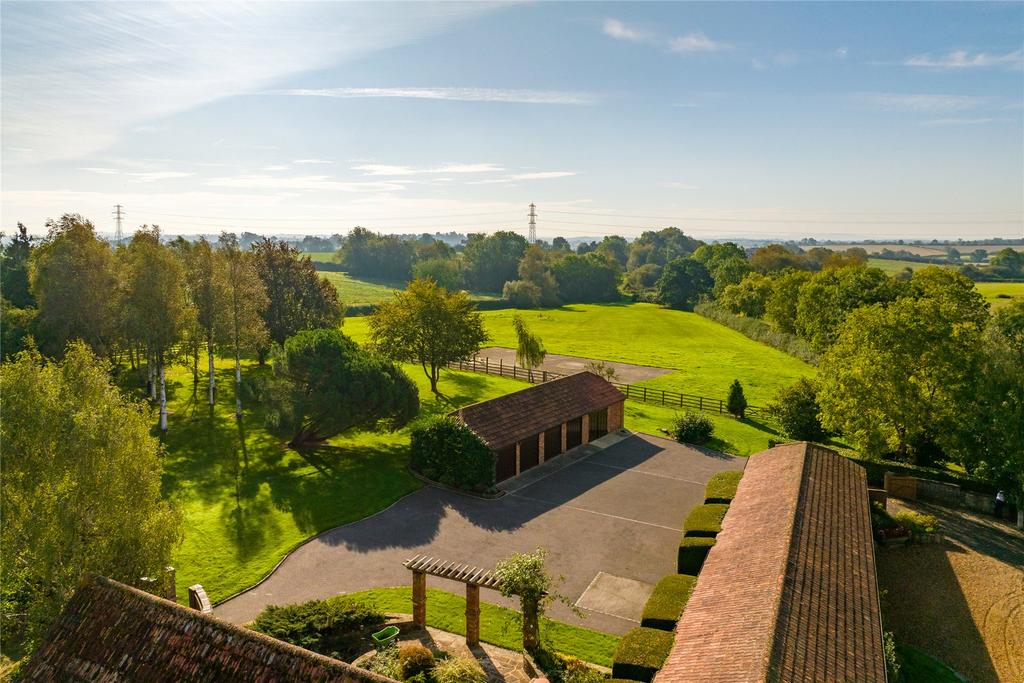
(617, 596)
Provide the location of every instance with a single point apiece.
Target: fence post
(487, 368)
(645, 394)
(700, 403)
(719, 406)
(662, 397)
(501, 367)
(544, 375)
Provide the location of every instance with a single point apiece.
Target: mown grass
(247, 499)
(499, 626)
(893, 266)
(354, 292)
(999, 294)
(705, 355)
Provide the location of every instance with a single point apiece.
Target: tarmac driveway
(609, 518)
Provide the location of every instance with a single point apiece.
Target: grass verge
(499, 626)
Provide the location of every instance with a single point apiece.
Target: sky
(763, 120)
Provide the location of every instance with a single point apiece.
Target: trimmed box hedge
(705, 520)
(721, 488)
(640, 654)
(445, 450)
(667, 601)
(693, 550)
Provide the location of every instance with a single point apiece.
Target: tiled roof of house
(111, 632)
(507, 419)
(788, 593)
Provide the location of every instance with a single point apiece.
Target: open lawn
(999, 294)
(353, 292)
(320, 256)
(247, 500)
(707, 356)
(893, 266)
(498, 625)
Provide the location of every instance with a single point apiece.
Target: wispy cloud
(101, 171)
(842, 52)
(458, 94)
(132, 64)
(962, 59)
(620, 31)
(958, 122)
(312, 161)
(154, 176)
(319, 183)
(393, 170)
(696, 42)
(782, 59)
(542, 175)
(920, 102)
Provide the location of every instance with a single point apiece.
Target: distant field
(1010, 291)
(893, 266)
(921, 249)
(353, 292)
(707, 356)
(321, 256)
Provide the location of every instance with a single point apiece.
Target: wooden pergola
(473, 577)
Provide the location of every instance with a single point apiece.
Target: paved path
(618, 512)
(566, 365)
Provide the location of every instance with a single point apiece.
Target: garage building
(527, 427)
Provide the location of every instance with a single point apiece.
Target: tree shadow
(760, 426)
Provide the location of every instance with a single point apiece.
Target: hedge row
(721, 488)
(667, 601)
(640, 654)
(693, 550)
(447, 451)
(705, 520)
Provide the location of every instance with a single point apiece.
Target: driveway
(610, 520)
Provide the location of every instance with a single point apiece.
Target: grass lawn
(893, 266)
(320, 256)
(707, 356)
(498, 625)
(999, 294)
(353, 292)
(918, 667)
(247, 500)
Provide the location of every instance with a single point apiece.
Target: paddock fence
(633, 392)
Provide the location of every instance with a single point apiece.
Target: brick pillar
(586, 429)
(518, 470)
(540, 448)
(170, 589)
(419, 599)
(565, 436)
(472, 614)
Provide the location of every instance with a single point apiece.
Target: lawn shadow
(760, 426)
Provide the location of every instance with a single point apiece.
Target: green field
(320, 256)
(999, 294)
(247, 500)
(353, 292)
(707, 356)
(893, 266)
(498, 625)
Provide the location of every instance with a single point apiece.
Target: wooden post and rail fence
(665, 397)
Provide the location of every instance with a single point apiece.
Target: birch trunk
(151, 365)
(213, 380)
(163, 399)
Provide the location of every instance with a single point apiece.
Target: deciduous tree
(683, 282)
(209, 296)
(246, 304)
(429, 325)
(79, 489)
(493, 260)
(530, 351)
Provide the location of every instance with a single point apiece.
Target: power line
(533, 223)
(118, 217)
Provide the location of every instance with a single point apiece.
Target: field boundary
(665, 397)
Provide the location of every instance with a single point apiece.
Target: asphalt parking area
(616, 512)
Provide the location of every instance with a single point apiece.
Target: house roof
(788, 592)
(109, 631)
(510, 418)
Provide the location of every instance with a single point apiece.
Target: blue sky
(729, 119)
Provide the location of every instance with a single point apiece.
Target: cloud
(132, 64)
(102, 171)
(695, 42)
(620, 31)
(842, 52)
(962, 59)
(276, 167)
(312, 161)
(319, 183)
(542, 175)
(392, 170)
(780, 59)
(456, 94)
(676, 185)
(957, 122)
(154, 176)
(920, 102)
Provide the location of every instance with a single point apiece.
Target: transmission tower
(118, 217)
(533, 223)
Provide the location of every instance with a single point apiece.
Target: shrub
(693, 428)
(330, 627)
(736, 404)
(385, 663)
(759, 330)
(640, 653)
(452, 453)
(917, 522)
(693, 550)
(667, 601)
(796, 409)
(459, 670)
(721, 488)
(522, 294)
(705, 520)
(414, 659)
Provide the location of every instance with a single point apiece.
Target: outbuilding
(525, 428)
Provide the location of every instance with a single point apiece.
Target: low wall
(930, 491)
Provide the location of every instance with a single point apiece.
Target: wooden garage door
(529, 453)
(573, 433)
(598, 424)
(553, 442)
(506, 465)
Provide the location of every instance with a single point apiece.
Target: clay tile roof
(788, 593)
(507, 419)
(112, 632)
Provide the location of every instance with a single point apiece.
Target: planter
(894, 541)
(385, 636)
